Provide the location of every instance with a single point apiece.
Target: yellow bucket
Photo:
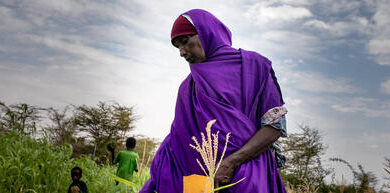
(196, 184)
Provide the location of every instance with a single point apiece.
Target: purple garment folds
(235, 87)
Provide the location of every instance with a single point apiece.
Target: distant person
(77, 186)
(127, 160)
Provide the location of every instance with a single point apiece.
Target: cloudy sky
(332, 59)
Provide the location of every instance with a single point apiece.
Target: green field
(31, 165)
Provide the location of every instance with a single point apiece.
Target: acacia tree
(303, 152)
(104, 123)
(19, 117)
(2, 117)
(62, 128)
(366, 179)
(363, 181)
(387, 171)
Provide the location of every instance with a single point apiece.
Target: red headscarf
(182, 27)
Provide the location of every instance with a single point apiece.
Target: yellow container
(196, 184)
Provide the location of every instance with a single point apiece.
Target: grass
(305, 187)
(30, 165)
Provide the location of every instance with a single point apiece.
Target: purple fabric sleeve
(271, 97)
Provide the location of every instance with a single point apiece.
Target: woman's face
(190, 48)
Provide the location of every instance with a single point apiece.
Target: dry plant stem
(201, 151)
(223, 152)
(210, 153)
(147, 161)
(201, 166)
(342, 184)
(141, 165)
(208, 150)
(215, 145)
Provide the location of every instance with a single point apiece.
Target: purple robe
(235, 87)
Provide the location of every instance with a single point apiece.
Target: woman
(238, 88)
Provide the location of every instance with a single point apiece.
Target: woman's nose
(183, 53)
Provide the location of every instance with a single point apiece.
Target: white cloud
(264, 13)
(317, 23)
(296, 2)
(9, 21)
(281, 43)
(380, 40)
(381, 49)
(78, 62)
(361, 20)
(315, 82)
(293, 102)
(341, 28)
(385, 87)
(65, 7)
(75, 48)
(341, 6)
(368, 106)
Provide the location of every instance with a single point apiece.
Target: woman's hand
(259, 143)
(225, 172)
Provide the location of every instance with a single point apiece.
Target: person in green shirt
(127, 160)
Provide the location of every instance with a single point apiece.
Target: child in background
(127, 160)
(77, 186)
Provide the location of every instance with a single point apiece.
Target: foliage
(87, 128)
(43, 164)
(387, 170)
(363, 181)
(104, 123)
(303, 187)
(19, 117)
(30, 165)
(337, 188)
(146, 148)
(62, 129)
(303, 151)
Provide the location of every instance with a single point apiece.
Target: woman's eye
(184, 41)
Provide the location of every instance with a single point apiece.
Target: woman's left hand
(225, 172)
(257, 145)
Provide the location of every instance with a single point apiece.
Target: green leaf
(123, 181)
(229, 185)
